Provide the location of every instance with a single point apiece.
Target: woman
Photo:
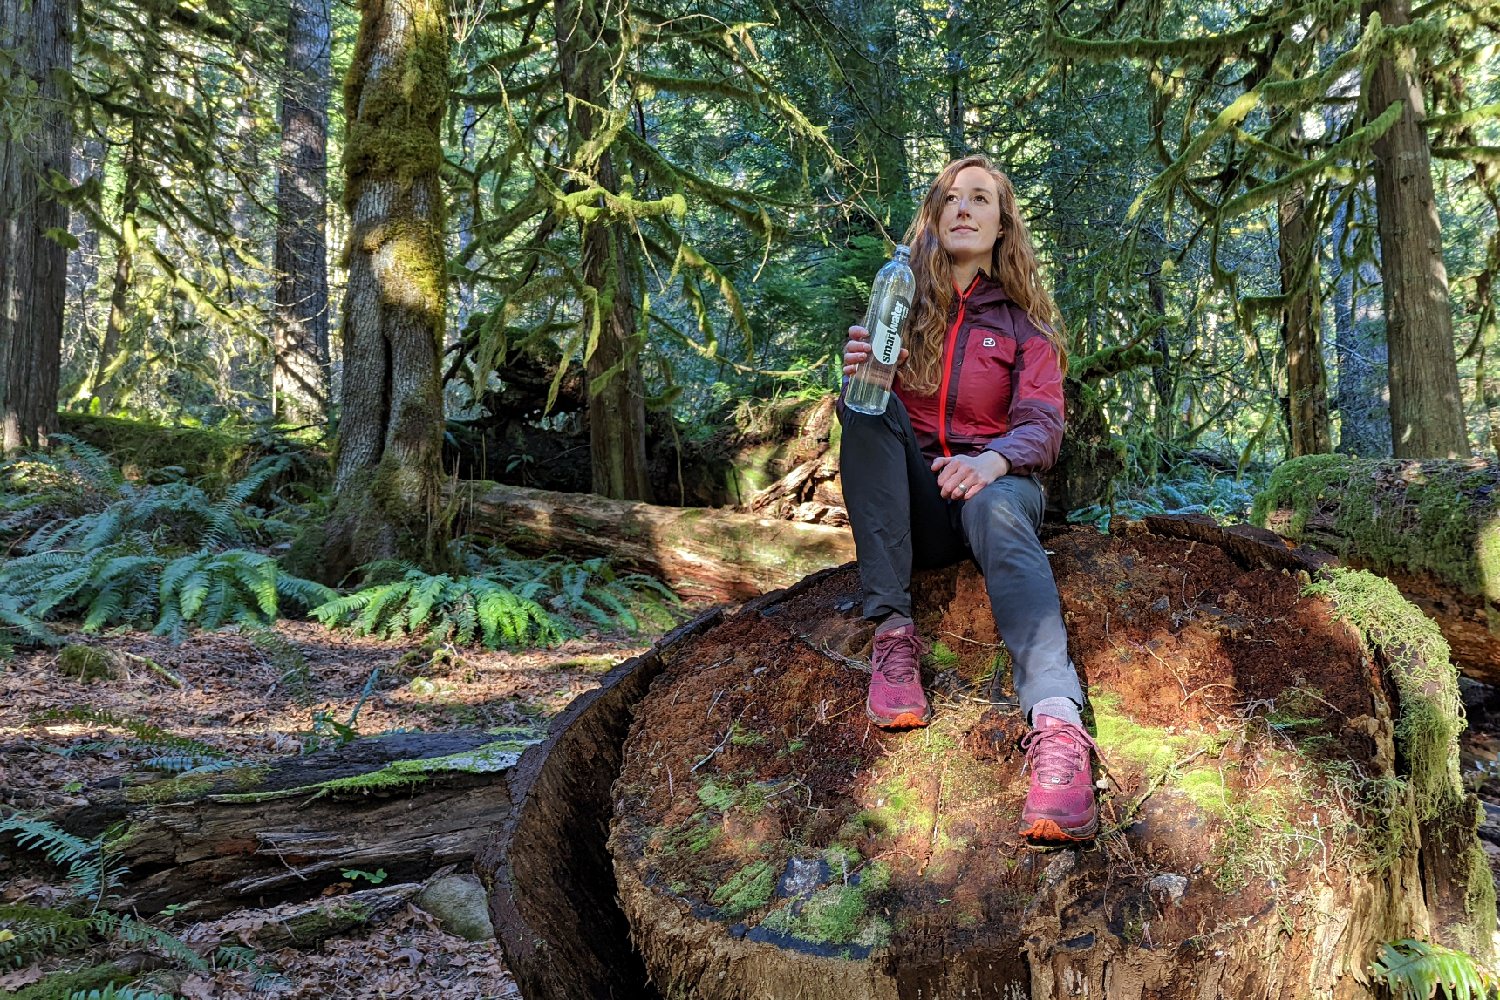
(949, 471)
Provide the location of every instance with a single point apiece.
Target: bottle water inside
(869, 388)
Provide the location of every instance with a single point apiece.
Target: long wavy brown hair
(1012, 262)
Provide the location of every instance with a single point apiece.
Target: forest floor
(257, 700)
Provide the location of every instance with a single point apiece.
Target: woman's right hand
(857, 349)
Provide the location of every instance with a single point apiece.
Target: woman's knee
(999, 508)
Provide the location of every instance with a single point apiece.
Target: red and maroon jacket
(1001, 386)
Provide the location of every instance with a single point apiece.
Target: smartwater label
(885, 341)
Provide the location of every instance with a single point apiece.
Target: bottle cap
(902, 252)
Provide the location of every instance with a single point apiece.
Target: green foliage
(34, 931)
(146, 737)
(154, 555)
(83, 859)
(28, 932)
(1187, 488)
(516, 603)
(1418, 970)
(463, 610)
(71, 480)
(112, 992)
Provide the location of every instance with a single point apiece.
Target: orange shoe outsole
(1049, 831)
(906, 720)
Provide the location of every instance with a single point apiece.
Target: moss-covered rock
(89, 663)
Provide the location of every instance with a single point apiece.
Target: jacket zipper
(963, 301)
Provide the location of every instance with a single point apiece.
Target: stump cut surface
(768, 841)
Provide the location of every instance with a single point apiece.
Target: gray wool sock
(1058, 708)
(891, 621)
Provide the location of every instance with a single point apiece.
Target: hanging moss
(1444, 520)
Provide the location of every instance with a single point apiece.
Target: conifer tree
(300, 331)
(388, 466)
(36, 136)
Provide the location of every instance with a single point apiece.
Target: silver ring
(963, 487)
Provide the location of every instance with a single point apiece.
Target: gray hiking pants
(900, 520)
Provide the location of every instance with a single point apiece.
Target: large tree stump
(407, 803)
(1285, 797)
(1432, 528)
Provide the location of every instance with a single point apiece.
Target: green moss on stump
(1431, 713)
(1448, 523)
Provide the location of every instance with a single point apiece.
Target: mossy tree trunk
(111, 358)
(1427, 416)
(388, 468)
(36, 143)
(1301, 324)
(300, 376)
(617, 394)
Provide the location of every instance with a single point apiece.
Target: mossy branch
(1352, 147)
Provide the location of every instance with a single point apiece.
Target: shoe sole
(1049, 831)
(906, 720)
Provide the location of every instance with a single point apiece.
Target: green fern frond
(145, 733)
(37, 931)
(83, 858)
(305, 594)
(138, 932)
(1416, 970)
(112, 992)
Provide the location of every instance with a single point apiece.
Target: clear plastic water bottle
(869, 388)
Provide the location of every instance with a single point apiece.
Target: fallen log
(1432, 528)
(702, 553)
(1285, 797)
(252, 836)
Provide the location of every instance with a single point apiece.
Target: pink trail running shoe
(1060, 802)
(896, 700)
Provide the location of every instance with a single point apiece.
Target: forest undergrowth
(150, 632)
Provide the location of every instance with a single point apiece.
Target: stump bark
(409, 803)
(1284, 798)
(1432, 528)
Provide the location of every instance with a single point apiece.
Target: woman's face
(969, 222)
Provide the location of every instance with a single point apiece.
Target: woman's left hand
(962, 476)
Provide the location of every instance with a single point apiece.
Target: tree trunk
(89, 166)
(111, 358)
(1363, 395)
(700, 553)
(388, 469)
(1427, 414)
(617, 394)
(1432, 528)
(253, 836)
(953, 33)
(1301, 327)
(36, 141)
(300, 334)
(767, 842)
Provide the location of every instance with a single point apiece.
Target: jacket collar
(985, 291)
